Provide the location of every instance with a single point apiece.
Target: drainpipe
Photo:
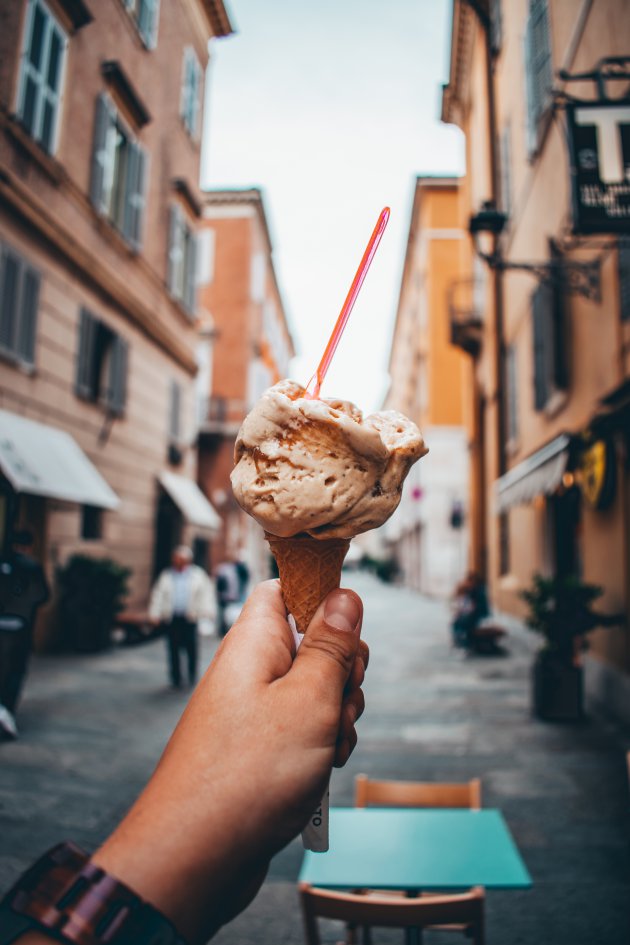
(499, 315)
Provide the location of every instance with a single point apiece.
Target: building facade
(101, 107)
(252, 345)
(428, 534)
(541, 89)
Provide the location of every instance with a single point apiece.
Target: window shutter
(85, 355)
(175, 413)
(102, 124)
(624, 279)
(9, 286)
(538, 67)
(512, 391)
(496, 26)
(539, 318)
(196, 97)
(28, 319)
(183, 98)
(175, 250)
(148, 16)
(190, 276)
(558, 341)
(117, 387)
(134, 195)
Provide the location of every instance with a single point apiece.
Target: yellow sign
(597, 470)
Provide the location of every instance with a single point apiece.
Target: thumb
(327, 652)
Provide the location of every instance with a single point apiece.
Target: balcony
(465, 310)
(220, 416)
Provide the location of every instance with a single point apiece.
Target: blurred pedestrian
(470, 607)
(182, 596)
(23, 588)
(232, 578)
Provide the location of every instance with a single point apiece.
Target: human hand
(248, 763)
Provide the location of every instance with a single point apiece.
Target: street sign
(599, 143)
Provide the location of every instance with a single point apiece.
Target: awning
(191, 501)
(539, 474)
(41, 460)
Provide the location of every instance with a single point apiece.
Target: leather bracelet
(69, 898)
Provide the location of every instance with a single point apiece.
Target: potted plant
(92, 593)
(560, 609)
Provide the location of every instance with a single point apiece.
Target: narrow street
(92, 728)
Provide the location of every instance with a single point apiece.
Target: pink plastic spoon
(314, 385)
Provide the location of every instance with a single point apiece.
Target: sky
(332, 108)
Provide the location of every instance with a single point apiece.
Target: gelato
(318, 467)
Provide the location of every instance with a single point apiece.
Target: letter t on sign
(607, 121)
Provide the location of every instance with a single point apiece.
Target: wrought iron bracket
(578, 276)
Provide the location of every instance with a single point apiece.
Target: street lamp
(582, 277)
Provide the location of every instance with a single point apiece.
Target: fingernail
(342, 611)
(352, 712)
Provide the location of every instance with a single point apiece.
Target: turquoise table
(416, 849)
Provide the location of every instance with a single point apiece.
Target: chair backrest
(369, 793)
(465, 909)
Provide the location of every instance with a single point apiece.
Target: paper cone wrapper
(309, 569)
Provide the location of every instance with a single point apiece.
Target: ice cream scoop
(318, 467)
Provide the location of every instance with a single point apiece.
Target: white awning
(191, 501)
(539, 474)
(41, 460)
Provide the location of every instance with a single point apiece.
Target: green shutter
(540, 317)
(9, 289)
(27, 327)
(117, 385)
(102, 123)
(84, 380)
(190, 275)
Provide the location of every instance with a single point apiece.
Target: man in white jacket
(182, 596)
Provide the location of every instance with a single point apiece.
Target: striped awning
(538, 474)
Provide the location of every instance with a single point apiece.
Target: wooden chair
(369, 793)
(463, 912)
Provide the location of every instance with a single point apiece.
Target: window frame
(537, 105)
(190, 98)
(181, 277)
(102, 367)
(27, 71)
(120, 199)
(148, 32)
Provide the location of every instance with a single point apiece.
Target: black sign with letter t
(599, 142)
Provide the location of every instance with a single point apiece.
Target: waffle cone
(309, 569)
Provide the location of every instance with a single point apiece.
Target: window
(175, 413)
(118, 172)
(512, 394)
(538, 67)
(102, 355)
(504, 543)
(191, 92)
(19, 297)
(91, 523)
(145, 14)
(496, 26)
(550, 347)
(182, 260)
(505, 170)
(624, 279)
(41, 75)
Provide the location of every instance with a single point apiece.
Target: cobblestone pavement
(93, 727)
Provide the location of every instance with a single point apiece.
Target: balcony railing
(221, 415)
(465, 315)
